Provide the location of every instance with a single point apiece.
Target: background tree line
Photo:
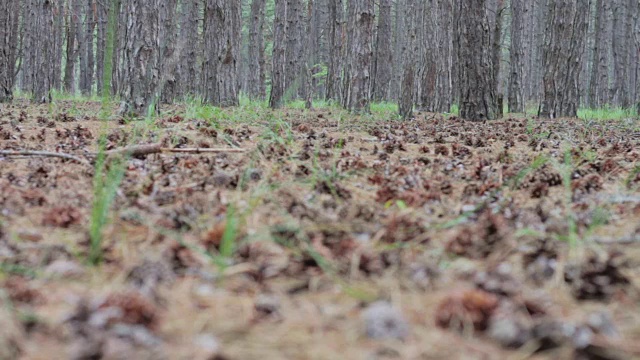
(424, 54)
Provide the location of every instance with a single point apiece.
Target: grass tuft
(105, 187)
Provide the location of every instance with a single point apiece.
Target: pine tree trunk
(399, 38)
(408, 60)
(357, 87)
(562, 60)
(188, 66)
(110, 40)
(256, 71)
(26, 82)
(316, 15)
(619, 41)
(58, 36)
(478, 92)
(634, 13)
(445, 54)
(141, 58)
(516, 101)
(102, 15)
(435, 88)
(70, 51)
(532, 84)
(279, 59)
(598, 88)
(41, 51)
(83, 46)
(496, 52)
(384, 55)
(9, 10)
(294, 81)
(429, 59)
(91, 27)
(222, 48)
(169, 49)
(119, 65)
(336, 36)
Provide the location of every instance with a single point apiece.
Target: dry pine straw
(379, 203)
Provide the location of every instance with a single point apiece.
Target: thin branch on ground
(139, 150)
(30, 153)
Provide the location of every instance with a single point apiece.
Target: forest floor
(331, 237)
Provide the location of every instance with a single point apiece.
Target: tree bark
(85, 43)
(102, 15)
(598, 87)
(316, 18)
(562, 57)
(496, 53)
(91, 27)
(476, 78)
(169, 49)
(222, 47)
(41, 50)
(188, 66)
(28, 42)
(110, 39)
(634, 13)
(399, 38)
(409, 62)
(384, 55)
(516, 99)
(336, 41)
(536, 26)
(9, 16)
(621, 43)
(70, 51)
(435, 90)
(279, 59)
(256, 71)
(357, 87)
(141, 58)
(294, 81)
(119, 62)
(58, 36)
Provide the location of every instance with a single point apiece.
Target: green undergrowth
(254, 110)
(607, 114)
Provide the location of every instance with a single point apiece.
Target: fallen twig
(203, 150)
(140, 150)
(622, 240)
(11, 153)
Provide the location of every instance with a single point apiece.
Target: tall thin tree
(279, 58)
(357, 79)
(41, 50)
(141, 58)
(562, 57)
(113, 9)
(222, 28)
(516, 101)
(256, 74)
(384, 54)
(409, 62)
(478, 92)
(9, 11)
(336, 46)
